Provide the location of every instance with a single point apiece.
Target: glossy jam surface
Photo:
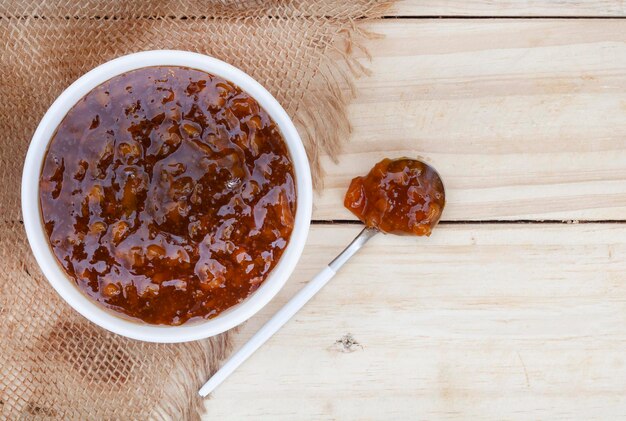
(399, 196)
(168, 194)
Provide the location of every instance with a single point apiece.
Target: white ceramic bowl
(39, 241)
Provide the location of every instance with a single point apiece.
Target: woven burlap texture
(53, 363)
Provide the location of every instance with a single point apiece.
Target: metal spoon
(290, 309)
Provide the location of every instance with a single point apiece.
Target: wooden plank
(508, 8)
(525, 119)
(515, 321)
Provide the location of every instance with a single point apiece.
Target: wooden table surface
(515, 308)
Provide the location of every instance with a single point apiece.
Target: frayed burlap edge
(194, 369)
(322, 117)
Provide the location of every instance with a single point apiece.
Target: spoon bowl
(401, 196)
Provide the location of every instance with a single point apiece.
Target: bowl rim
(39, 243)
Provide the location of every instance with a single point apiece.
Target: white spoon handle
(284, 314)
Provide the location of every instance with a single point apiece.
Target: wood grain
(509, 8)
(515, 321)
(525, 119)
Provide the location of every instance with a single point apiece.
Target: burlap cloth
(53, 363)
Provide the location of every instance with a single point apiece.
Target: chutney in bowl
(174, 196)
